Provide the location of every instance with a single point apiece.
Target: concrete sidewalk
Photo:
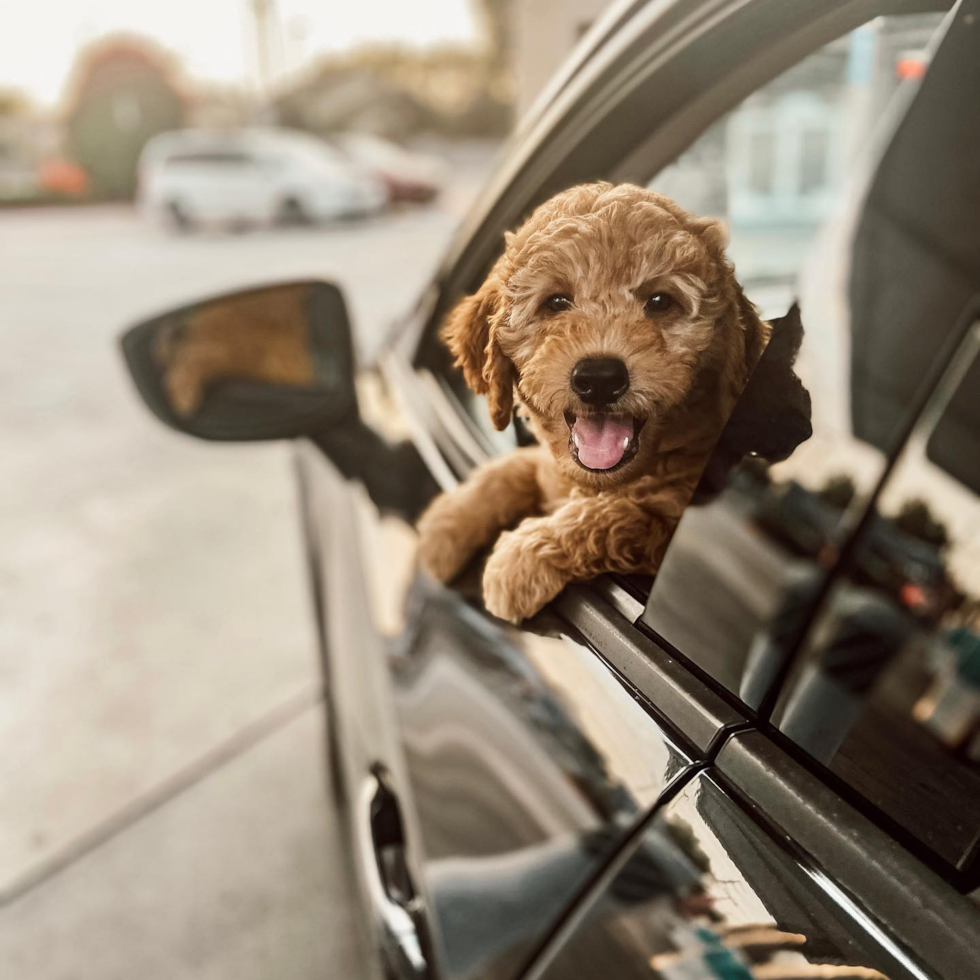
(238, 876)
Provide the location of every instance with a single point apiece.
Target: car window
(819, 143)
(788, 169)
(887, 695)
(215, 158)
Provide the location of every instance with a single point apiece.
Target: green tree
(124, 95)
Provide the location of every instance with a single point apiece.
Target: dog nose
(600, 380)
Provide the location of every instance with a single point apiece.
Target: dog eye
(658, 303)
(557, 303)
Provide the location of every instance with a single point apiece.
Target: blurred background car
(251, 176)
(408, 176)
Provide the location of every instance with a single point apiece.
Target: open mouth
(603, 443)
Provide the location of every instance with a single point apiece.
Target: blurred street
(162, 790)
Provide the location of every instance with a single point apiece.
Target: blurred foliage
(397, 91)
(123, 94)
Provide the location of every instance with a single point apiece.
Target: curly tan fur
(608, 248)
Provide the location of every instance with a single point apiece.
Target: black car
(760, 763)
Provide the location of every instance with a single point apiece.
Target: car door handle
(395, 906)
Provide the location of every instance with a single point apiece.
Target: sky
(212, 38)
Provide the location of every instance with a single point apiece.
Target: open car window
(815, 138)
(788, 169)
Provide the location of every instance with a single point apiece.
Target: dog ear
(470, 333)
(500, 376)
(714, 234)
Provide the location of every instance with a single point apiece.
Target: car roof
(244, 138)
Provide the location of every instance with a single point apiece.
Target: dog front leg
(459, 523)
(584, 538)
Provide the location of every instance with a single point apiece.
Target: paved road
(153, 612)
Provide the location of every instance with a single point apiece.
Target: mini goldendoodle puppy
(614, 321)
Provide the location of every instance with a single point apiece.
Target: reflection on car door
(529, 763)
(706, 893)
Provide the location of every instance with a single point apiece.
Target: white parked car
(251, 176)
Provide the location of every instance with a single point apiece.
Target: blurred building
(792, 143)
(541, 36)
(123, 93)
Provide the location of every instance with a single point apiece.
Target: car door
(855, 857)
(491, 773)
(218, 182)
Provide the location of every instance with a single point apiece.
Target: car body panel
(936, 926)
(518, 758)
(529, 764)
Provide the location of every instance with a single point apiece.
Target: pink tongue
(601, 442)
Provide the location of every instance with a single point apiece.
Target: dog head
(616, 319)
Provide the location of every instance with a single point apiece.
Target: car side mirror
(275, 362)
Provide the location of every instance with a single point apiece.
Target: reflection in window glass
(704, 895)
(720, 595)
(891, 679)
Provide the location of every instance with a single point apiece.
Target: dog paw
(441, 559)
(517, 580)
(440, 552)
